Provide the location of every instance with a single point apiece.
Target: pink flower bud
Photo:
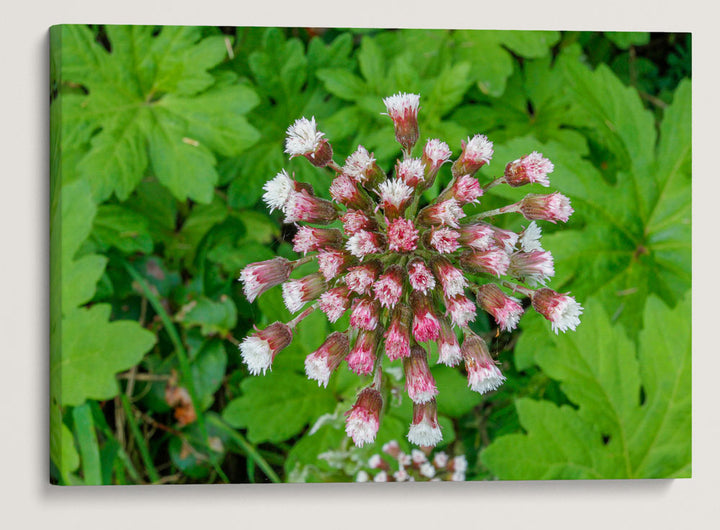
(475, 153)
(278, 190)
(435, 154)
(419, 382)
(297, 292)
(493, 261)
(560, 309)
(302, 206)
(397, 336)
(552, 207)
(361, 166)
(363, 419)
(259, 349)
(447, 213)
(505, 309)
(478, 236)
(452, 279)
(332, 262)
(303, 139)
(395, 196)
(421, 278)
(534, 268)
(426, 325)
(424, 429)
(362, 356)
(529, 169)
(483, 374)
(461, 310)
(403, 110)
(411, 171)
(388, 287)
(444, 240)
(345, 191)
(360, 278)
(402, 235)
(309, 239)
(259, 277)
(356, 220)
(363, 243)
(505, 239)
(335, 302)
(448, 345)
(320, 364)
(365, 313)
(464, 190)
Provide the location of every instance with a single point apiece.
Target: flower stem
(295, 321)
(333, 165)
(492, 184)
(482, 215)
(518, 288)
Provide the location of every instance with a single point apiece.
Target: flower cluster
(408, 273)
(418, 466)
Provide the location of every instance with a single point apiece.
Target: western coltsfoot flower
(409, 273)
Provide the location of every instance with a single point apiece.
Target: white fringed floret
(530, 238)
(302, 137)
(397, 105)
(394, 192)
(566, 315)
(479, 148)
(256, 354)
(424, 434)
(293, 295)
(277, 191)
(317, 369)
(485, 378)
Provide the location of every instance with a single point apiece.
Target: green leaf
(625, 39)
(304, 454)
(118, 157)
(88, 443)
(633, 416)
(277, 406)
(202, 218)
(62, 445)
(208, 369)
(215, 118)
(93, 350)
(123, 229)
(456, 398)
(181, 163)
(79, 276)
(630, 239)
(639, 239)
(152, 101)
(490, 62)
(342, 83)
(214, 318)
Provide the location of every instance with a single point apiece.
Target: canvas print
(368, 255)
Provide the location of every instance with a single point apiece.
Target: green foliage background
(161, 139)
